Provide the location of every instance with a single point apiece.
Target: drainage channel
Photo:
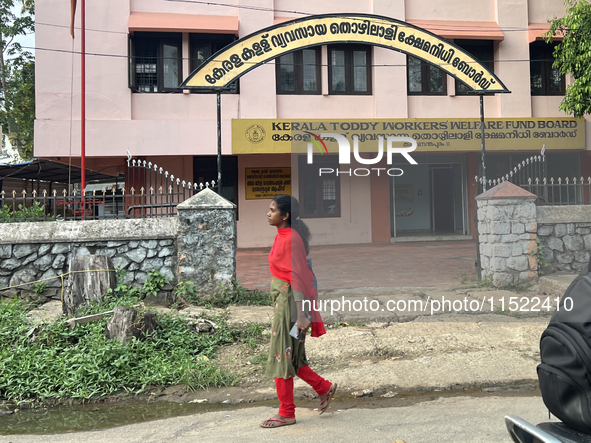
(95, 416)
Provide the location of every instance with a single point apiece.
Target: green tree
(20, 103)
(17, 75)
(573, 54)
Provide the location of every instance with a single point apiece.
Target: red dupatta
(287, 262)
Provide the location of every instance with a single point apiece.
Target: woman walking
(290, 286)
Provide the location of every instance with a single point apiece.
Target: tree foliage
(573, 54)
(20, 103)
(17, 75)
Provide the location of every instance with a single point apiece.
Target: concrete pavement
(430, 420)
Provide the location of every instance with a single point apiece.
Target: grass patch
(356, 323)
(508, 313)
(518, 288)
(466, 278)
(235, 294)
(51, 361)
(252, 334)
(260, 359)
(487, 282)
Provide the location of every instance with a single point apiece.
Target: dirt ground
(391, 356)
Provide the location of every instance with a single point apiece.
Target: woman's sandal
(324, 402)
(277, 421)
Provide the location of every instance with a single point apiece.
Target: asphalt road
(445, 419)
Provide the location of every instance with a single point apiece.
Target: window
(424, 79)
(155, 59)
(544, 79)
(155, 63)
(483, 51)
(349, 69)
(203, 46)
(299, 72)
(320, 196)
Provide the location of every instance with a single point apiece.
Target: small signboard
(266, 183)
(404, 193)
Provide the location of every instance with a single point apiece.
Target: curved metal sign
(235, 60)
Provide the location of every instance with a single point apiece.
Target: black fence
(529, 169)
(530, 175)
(560, 192)
(156, 194)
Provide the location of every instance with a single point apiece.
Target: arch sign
(227, 65)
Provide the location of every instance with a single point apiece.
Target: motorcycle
(521, 431)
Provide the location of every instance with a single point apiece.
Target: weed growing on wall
(186, 290)
(154, 283)
(538, 253)
(40, 287)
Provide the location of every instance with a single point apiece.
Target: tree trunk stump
(129, 322)
(86, 287)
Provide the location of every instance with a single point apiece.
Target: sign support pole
(482, 142)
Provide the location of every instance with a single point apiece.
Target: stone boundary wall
(40, 250)
(198, 245)
(565, 234)
(507, 234)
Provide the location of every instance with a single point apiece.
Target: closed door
(443, 200)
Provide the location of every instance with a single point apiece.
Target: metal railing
(560, 192)
(533, 166)
(156, 194)
(530, 174)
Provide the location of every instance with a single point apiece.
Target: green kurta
(286, 354)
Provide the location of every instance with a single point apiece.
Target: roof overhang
(50, 171)
(461, 29)
(536, 31)
(160, 22)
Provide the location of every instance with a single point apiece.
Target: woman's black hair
(288, 204)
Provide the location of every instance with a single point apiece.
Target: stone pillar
(507, 231)
(206, 242)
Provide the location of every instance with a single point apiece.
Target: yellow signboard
(265, 183)
(258, 48)
(280, 136)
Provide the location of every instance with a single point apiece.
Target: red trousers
(285, 389)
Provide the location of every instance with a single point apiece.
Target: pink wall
(481, 11)
(453, 107)
(354, 225)
(324, 7)
(174, 127)
(512, 14)
(184, 124)
(108, 96)
(183, 7)
(318, 106)
(541, 11)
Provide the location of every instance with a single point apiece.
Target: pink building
(139, 52)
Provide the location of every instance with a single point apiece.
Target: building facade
(139, 52)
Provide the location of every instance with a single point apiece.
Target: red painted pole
(83, 94)
(83, 103)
